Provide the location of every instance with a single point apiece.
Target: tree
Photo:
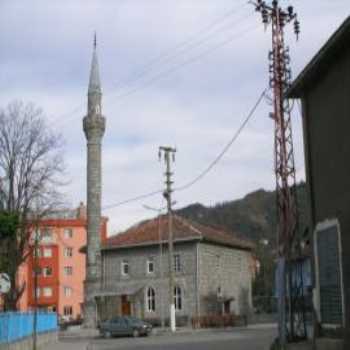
(31, 164)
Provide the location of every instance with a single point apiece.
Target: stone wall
(138, 280)
(224, 272)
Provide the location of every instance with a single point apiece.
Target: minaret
(94, 127)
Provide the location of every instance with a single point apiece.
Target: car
(124, 325)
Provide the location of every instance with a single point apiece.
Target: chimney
(81, 211)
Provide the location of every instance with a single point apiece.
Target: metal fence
(18, 325)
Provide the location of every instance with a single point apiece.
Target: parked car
(124, 325)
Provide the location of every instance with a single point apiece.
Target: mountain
(252, 217)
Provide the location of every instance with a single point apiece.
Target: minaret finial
(94, 84)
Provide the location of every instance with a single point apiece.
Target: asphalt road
(254, 338)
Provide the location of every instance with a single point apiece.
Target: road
(251, 338)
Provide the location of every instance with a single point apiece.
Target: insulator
(290, 12)
(270, 55)
(297, 27)
(274, 3)
(159, 155)
(265, 16)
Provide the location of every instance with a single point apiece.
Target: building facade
(213, 272)
(324, 88)
(59, 264)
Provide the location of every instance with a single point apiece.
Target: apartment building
(59, 264)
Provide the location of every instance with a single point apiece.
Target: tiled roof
(147, 233)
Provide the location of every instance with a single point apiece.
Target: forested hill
(253, 216)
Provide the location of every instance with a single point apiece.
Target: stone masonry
(208, 272)
(94, 127)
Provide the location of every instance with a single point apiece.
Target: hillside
(253, 216)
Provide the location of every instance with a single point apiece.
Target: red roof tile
(148, 232)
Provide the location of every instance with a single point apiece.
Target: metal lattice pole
(292, 326)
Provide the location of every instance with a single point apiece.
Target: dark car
(124, 325)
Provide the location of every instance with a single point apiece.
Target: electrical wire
(182, 48)
(185, 63)
(67, 116)
(206, 171)
(226, 148)
(133, 199)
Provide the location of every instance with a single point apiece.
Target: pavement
(255, 337)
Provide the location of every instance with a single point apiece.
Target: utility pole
(289, 281)
(159, 211)
(36, 268)
(169, 154)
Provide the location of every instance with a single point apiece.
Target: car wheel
(135, 333)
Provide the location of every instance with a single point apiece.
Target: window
(47, 271)
(150, 265)
(47, 291)
(67, 291)
(46, 235)
(151, 300)
(68, 252)
(68, 311)
(47, 253)
(68, 270)
(68, 233)
(125, 268)
(178, 298)
(177, 263)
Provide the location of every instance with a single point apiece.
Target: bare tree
(31, 164)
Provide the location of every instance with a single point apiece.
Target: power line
(185, 63)
(206, 171)
(226, 148)
(65, 117)
(133, 199)
(181, 48)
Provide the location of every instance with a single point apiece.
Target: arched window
(151, 300)
(178, 298)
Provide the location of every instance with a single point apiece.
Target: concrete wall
(228, 269)
(43, 342)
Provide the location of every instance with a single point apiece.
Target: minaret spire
(94, 90)
(94, 124)
(94, 83)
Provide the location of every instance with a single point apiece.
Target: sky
(182, 73)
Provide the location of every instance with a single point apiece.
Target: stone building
(324, 89)
(213, 272)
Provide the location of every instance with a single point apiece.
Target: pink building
(61, 265)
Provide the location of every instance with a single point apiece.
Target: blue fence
(16, 325)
